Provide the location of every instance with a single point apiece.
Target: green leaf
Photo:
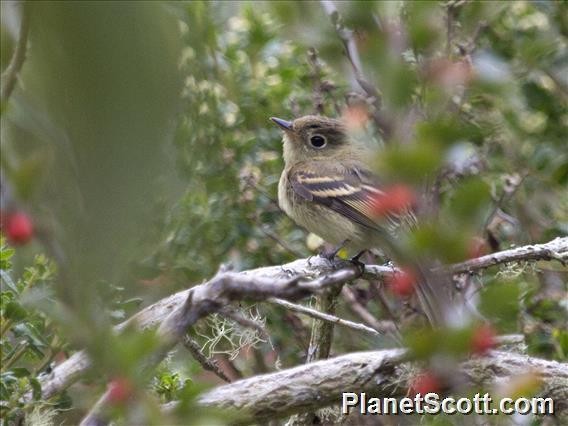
(20, 372)
(8, 282)
(15, 311)
(470, 201)
(6, 254)
(410, 163)
(500, 303)
(36, 388)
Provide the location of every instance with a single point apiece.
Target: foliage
(29, 341)
(138, 140)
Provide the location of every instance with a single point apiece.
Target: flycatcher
(328, 188)
(327, 185)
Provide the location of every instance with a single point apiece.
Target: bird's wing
(346, 189)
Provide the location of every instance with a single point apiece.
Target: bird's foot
(355, 260)
(331, 254)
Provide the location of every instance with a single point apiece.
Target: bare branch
(214, 295)
(384, 327)
(379, 373)
(307, 387)
(68, 372)
(325, 317)
(556, 249)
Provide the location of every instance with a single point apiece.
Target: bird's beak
(285, 125)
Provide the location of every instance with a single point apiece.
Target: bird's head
(314, 137)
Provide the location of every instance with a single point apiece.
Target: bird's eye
(318, 141)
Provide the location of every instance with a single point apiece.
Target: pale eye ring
(318, 141)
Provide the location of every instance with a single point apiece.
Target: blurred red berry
(356, 117)
(17, 227)
(393, 200)
(424, 383)
(477, 247)
(483, 339)
(449, 74)
(402, 283)
(120, 389)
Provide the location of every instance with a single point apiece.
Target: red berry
(424, 383)
(393, 200)
(18, 228)
(120, 389)
(402, 283)
(477, 247)
(483, 339)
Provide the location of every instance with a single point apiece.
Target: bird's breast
(327, 224)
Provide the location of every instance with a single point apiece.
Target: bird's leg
(331, 254)
(355, 260)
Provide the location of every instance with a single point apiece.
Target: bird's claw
(355, 260)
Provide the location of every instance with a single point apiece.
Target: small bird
(327, 185)
(328, 188)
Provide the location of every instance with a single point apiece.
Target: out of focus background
(137, 157)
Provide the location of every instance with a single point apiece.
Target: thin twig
(556, 249)
(10, 75)
(513, 184)
(383, 327)
(323, 316)
(315, 74)
(266, 231)
(563, 88)
(375, 285)
(352, 54)
(207, 364)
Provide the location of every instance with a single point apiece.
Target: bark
(379, 374)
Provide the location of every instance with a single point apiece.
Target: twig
(317, 95)
(378, 289)
(325, 317)
(10, 75)
(206, 363)
(449, 28)
(513, 183)
(322, 331)
(352, 54)
(264, 229)
(321, 338)
(563, 88)
(383, 327)
(556, 249)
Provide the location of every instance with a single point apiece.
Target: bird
(328, 185)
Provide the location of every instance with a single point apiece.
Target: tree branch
(306, 387)
(325, 317)
(385, 327)
(68, 372)
(556, 249)
(214, 295)
(379, 373)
